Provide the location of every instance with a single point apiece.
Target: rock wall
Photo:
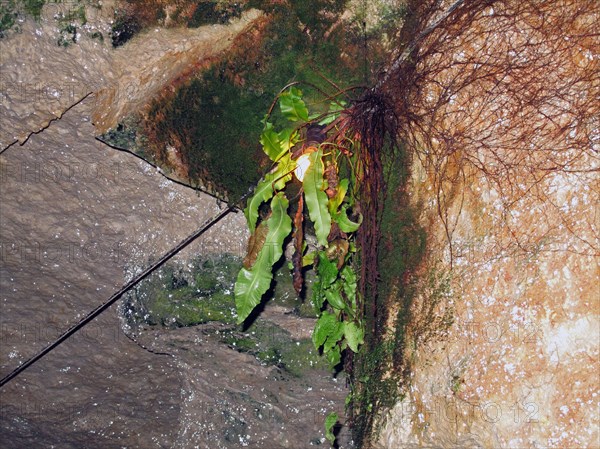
(39, 81)
(517, 369)
(519, 366)
(507, 94)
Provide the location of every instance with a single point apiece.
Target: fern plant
(314, 164)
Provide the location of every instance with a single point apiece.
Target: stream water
(76, 220)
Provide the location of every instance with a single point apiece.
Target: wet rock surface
(77, 219)
(230, 400)
(68, 232)
(40, 79)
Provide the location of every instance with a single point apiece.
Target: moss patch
(203, 292)
(33, 7)
(11, 10)
(415, 297)
(212, 124)
(401, 253)
(213, 120)
(8, 16)
(174, 297)
(206, 13)
(272, 345)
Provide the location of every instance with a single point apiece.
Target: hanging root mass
(373, 122)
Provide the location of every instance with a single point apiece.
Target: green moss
(124, 135)
(218, 126)
(202, 293)
(174, 297)
(272, 345)
(301, 355)
(401, 256)
(68, 35)
(78, 14)
(8, 16)
(183, 308)
(10, 10)
(240, 343)
(33, 7)
(68, 24)
(97, 35)
(316, 16)
(204, 14)
(214, 120)
(270, 356)
(402, 250)
(372, 392)
(216, 273)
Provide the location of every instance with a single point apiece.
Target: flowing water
(77, 220)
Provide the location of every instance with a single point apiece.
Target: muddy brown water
(76, 220)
